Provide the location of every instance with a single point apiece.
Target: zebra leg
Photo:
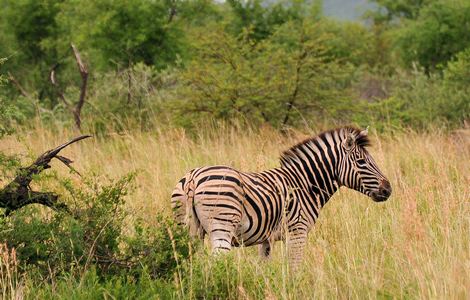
(221, 236)
(265, 249)
(220, 226)
(296, 242)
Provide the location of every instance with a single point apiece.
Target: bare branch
(60, 93)
(17, 193)
(84, 74)
(173, 11)
(299, 64)
(76, 109)
(18, 86)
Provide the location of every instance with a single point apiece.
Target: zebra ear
(349, 141)
(365, 132)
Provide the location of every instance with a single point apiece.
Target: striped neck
(314, 163)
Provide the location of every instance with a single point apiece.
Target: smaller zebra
(236, 208)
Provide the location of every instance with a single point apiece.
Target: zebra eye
(361, 161)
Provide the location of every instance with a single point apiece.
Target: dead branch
(173, 11)
(84, 74)
(76, 108)
(18, 193)
(293, 97)
(17, 85)
(59, 92)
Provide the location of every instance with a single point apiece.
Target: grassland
(414, 246)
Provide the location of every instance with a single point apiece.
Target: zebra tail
(183, 206)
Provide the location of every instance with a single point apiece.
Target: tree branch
(84, 74)
(83, 70)
(300, 58)
(18, 194)
(173, 11)
(61, 95)
(18, 85)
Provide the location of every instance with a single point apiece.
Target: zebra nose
(385, 189)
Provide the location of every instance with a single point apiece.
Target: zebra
(236, 208)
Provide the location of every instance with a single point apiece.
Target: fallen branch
(18, 193)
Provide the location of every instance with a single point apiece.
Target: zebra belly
(262, 210)
(253, 231)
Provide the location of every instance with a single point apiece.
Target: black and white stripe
(237, 208)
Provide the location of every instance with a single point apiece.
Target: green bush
(8, 115)
(287, 79)
(95, 234)
(457, 72)
(347, 41)
(262, 20)
(421, 101)
(439, 32)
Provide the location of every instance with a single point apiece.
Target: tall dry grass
(415, 245)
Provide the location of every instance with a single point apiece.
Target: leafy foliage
(8, 114)
(180, 63)
(262, 20)
(149, 36)
(390, 10)
(458, 70)
(96, 236)
(438, 33)
(286, 77)
(419, 101)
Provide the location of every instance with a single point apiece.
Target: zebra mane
(361, 140)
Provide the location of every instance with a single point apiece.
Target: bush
(421, 101)
(457, 72)
(288, 79)
(96, 236)
(439, 32)
(117, 103)
(347, 41)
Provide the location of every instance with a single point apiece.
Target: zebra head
(358, 170)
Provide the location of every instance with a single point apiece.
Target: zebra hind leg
(221, 236)
(220, 225)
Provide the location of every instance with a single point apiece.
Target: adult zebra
(236, 208)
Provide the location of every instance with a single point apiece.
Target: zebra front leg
(296, 242)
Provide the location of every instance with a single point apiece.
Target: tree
(347, 41)
(262, 19)
(4, 122)
(125, 32)
(29, 25)
(279, 80)
(394, 10)
(439, 32)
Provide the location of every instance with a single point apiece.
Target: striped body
(236, 208)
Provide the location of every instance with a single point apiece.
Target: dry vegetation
(416, 245)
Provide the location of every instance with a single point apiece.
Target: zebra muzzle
(384, 191)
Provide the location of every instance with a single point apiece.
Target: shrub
(95, 235)
(439, 32)
(457, 72)
(286, 79)
(422, 101)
